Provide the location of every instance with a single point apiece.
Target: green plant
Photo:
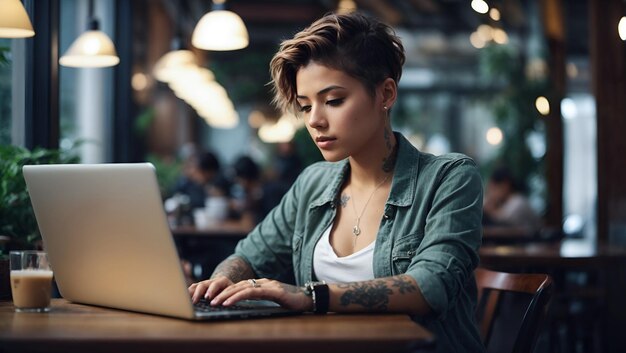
(514, 110)
(4, 55)
(167, 172)
(17, 219)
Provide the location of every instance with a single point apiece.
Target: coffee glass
(31, 281)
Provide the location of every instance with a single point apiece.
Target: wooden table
(80, 328)
(221, 231)
(565, 254)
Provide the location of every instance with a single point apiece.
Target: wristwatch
(318, 291)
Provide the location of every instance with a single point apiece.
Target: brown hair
(362, 47)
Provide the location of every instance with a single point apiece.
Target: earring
(385, 107)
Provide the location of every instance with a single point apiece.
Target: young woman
(380, 226)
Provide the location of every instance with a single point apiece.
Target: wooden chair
(492, 286)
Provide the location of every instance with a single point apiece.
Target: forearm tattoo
(235, 269)
(403, 284)
(374, 295)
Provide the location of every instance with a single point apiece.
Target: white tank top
(333, 269)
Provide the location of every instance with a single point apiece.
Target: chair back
(491, 287)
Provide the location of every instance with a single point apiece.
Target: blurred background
(506, 82)
(533, 90)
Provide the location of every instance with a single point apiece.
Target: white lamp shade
(281, 131)
(14, 21)
(621, 28)
(220, 30)
(91, 49)
(171, 65)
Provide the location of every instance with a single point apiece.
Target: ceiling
(435, 32)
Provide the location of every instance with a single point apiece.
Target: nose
(317, 118)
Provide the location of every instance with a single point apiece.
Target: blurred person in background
(506, 205)
(199, 171)
(247, 192)
(379, 226)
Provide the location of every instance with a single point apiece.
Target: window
(5, 92)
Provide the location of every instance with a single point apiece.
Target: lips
(323, 139)
(325, 142)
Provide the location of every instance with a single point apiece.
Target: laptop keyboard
(205, 307)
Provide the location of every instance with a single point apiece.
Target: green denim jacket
(430, 230)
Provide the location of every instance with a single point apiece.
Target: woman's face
(338, 112)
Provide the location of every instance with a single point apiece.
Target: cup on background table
(216, 209)
(31, 281)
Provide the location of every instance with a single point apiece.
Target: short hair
(360, 46)
(208, 162)
(246, 168)
(504, 175)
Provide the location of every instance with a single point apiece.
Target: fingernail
(214, 301)
(227, 302)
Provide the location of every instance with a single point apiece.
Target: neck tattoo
(356, 230)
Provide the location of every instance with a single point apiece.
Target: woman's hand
(209, 288)
(288, 296)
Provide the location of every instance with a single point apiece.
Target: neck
(375, 163)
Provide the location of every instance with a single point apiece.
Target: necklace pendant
(356, 230)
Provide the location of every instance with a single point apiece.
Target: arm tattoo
(372, 295)
(234, 268)
(390, 161)
(403, 284)
(344, 200)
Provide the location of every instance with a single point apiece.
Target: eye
(305, 108)
(335, 102)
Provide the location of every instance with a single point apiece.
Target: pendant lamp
(92, 49)
(220, 30)
(175, 62)
(14, 21)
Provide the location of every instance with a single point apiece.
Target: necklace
(356, 230)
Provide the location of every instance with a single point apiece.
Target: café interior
(533, 90)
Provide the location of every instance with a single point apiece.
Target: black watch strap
(321, 298)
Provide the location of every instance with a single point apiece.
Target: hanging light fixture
(92, 49)
(621, 28)
(14, 21)
(175, 62)
(220, 30)
(346, 6)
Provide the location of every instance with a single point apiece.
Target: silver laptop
(109, 244)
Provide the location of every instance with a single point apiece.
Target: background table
(590, 281)
(80, 328)
(206, 248)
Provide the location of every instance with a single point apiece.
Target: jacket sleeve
(268, 248)
(448, 254)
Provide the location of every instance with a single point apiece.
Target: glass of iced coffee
(31, 281)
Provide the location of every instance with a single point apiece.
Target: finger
(248, 293)
(200, 290)
(192, 288)
(216, 287)
(229, 291)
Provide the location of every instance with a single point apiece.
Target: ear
(389, 93)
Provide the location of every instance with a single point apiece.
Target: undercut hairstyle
(362, 47)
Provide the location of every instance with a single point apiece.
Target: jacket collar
(331, 194)
(406, 173)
